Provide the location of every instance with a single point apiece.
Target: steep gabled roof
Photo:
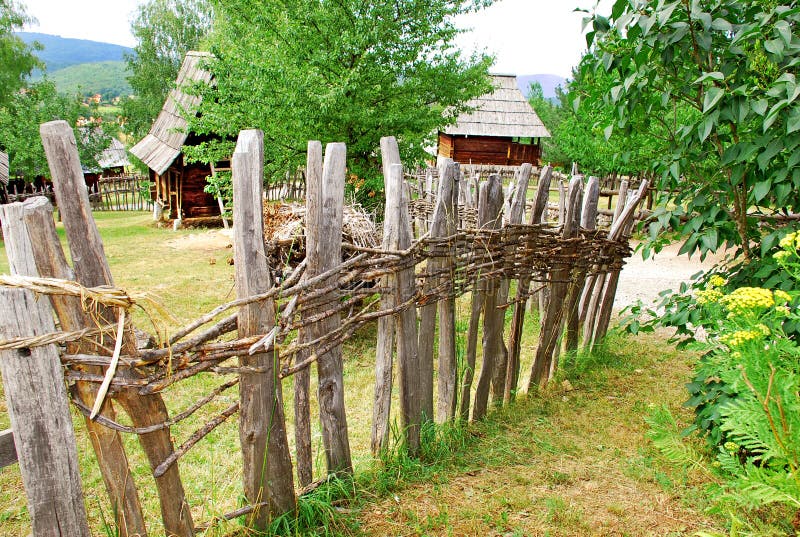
(163, 144)
(114, 156)
(3, 168)
(504, 112)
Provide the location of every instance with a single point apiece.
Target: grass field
(573, 460)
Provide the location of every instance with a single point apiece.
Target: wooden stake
(490, 213)
(91, 269)
(37, 399)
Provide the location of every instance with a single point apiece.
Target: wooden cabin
(178, 186)
(112, 162)
(502, 130)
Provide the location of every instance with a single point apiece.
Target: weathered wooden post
(107, 443)
(405, 320)
(589, 223)
(552, 322)
(37, 399)
(265, 449)
(384, 351)
(302, 379)
(523, 288)
(490, 214)
(442, 215)
(92, 270)
(324, 252)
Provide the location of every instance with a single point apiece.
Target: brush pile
(284, 231)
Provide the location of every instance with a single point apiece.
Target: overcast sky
(527, 36)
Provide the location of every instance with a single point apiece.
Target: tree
(39, 103)
(165, 31)
(723, 72)
(17, 59)
(343, 70)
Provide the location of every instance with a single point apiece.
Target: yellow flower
(748, 299)
(708, 296)
(789, 240)
(716, 281)
(741, 336)
(781, 256)
(781, 296)
(731, 446)
(783, 311)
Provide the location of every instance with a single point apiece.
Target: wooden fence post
(323, 253)
(490, 214)
(406, 320)
(107, 443)
(448, 367)
(302, 379)
(385, 344)
(37, 399)
(265, 449)
(552, 321)
(91, 270)
(589, 223)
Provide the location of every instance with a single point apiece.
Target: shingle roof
(163, 144)
(504, 112)
(114, 156)
(4, 168)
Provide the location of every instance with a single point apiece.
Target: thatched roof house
(179, 186)
(503, 129)
(114, 157)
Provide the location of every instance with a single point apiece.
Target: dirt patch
(643, 280)
(207, 241)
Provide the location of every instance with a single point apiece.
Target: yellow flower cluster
(739, 337)
(781, 297)
(748, 299)
(708, 296)
(792, 240)
(716, 281)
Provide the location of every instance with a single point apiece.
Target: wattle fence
(466, 241)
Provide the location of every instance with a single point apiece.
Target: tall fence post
(265, 449)
(406, 319)
(523, 288)
(37, 399)
(91, 270)
(490, 215)
(323, 253)
(385, 345)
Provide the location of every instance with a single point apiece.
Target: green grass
(564, 461)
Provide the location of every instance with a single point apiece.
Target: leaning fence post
(37, 399)
(107, 443)
(265, 449)
(91, 269)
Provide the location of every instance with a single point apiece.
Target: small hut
(502, 130)
(111, 163)
(179, 186)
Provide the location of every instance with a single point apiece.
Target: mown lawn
(573, 460)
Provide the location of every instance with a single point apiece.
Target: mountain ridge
(60, 52)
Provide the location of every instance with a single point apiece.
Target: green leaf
(722, 25)
(704, 129)
(760, 106)
(761, 190)
(712, 97)
(608, 131)
(773, 115)
(775, 46)
(675, 170)
(784, 31)
(772, 149)
(793, 121)
(714, 75)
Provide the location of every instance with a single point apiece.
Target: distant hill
(106, 78)
(549, 84)
(60, 52)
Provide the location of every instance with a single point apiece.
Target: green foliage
(350, 71)
(108, 79)
(39, 103)
(165, 31)
(16, 57)
(719, 75)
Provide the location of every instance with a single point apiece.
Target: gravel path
(643, 280)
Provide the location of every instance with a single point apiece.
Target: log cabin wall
(495, 150)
